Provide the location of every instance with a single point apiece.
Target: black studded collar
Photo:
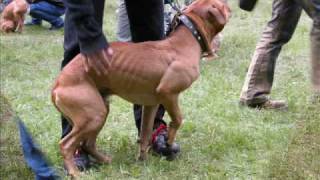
(179, 19)
(192, 28)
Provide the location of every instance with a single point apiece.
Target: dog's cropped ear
(226, 11)
(220, 12)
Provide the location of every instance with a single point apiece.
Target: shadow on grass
(12, 164)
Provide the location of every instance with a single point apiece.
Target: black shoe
(160, 146)
(53, 28)
(82, 161)
(2, 6)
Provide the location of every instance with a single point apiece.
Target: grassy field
(219, 139)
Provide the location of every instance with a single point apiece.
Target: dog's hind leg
(90, 147)
(84, 107)
(148, 115)
(68, 146)
(90, 144)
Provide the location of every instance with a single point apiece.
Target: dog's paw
(74, 174)
(106, 159)
(142, 156)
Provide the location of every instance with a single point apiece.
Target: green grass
(11, 157)
(219, 139)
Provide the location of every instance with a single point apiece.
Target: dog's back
(140, 72)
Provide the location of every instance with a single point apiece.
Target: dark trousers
(45, 11)
(146, 23)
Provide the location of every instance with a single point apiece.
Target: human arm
(86, 17)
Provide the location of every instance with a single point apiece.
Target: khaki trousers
(279, 30)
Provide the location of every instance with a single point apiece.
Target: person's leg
(168, 16)
(315, 57)
(137, 109)
(146, 18)
(48, 12)
(71, 49)
(123, 26)
(315, 61)
(35, 21)
(259, 78)
(312, 8)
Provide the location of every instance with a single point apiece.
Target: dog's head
(209, 16)
(7, 26)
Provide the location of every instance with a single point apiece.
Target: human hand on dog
(99, 61)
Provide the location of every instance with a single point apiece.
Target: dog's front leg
(20, 23)
(148, 115)
(172, 107)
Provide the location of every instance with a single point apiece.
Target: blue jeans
(48, 12)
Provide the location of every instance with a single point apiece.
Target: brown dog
(12, 17)
(147, 73)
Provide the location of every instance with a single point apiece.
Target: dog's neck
(184, 43)
(181, 19)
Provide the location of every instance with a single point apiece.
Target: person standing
(279, 30)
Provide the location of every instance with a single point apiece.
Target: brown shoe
(269, 104)
(274, 104)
